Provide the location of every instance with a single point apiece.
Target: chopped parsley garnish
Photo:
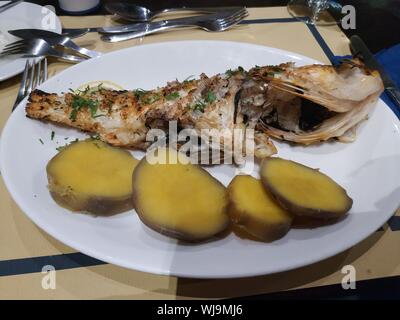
(198, 106)
(150, 99)
(146, 97)
(172, 96)
(210, 97)
(41, 141)
(231, 72)
(139, 93)
(80, 102)
(188, 79)
(201, 104)
(52, 135)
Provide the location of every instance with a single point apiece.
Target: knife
(9, 5)
(358, 47)
(53, 39)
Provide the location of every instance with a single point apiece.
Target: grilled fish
(299, 104)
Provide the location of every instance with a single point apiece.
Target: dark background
(377, 21)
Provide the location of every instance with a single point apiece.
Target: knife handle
(394, 94)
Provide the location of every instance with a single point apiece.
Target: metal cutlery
(36, 48)
(9, 5)
(132, 12)
(75, 33)
(34, 74)
(53, 39)
(212, 22)
(358, 47)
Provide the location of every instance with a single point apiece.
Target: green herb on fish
(172, 96)
(80, 102)
(210, 97)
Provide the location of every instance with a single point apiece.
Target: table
(28, 249)
(377, 21)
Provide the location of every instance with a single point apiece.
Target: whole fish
(300, 104)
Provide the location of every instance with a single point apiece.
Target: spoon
(133, 12)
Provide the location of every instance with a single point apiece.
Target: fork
(208, 23)
(36, 48)
(34, 74)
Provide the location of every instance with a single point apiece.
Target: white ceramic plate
(367, 168)
(22, 16)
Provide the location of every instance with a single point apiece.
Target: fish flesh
(300, 104)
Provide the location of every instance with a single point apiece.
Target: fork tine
(238, 14)
(235, 18)
(44, 78)
(233, 15)
(226, 24)
(31, 78)
(15, 43)
(15, 48)
(11, 51)
(25, 77)
(38, 74)
(22, 88)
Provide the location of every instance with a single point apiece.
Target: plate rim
(158, 270)
(23, 60)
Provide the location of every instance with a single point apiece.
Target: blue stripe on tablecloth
(271, 20)
(77, 259)
(394, 223)
(35, 264)
(380, 288)
(328, 52)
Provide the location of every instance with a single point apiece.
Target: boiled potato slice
(255, 210)
(304, 191)
(177, 198)
(90, 176)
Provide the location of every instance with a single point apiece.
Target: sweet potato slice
(179, 199)
(90, 176)
(252, 208)
(304, 191)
